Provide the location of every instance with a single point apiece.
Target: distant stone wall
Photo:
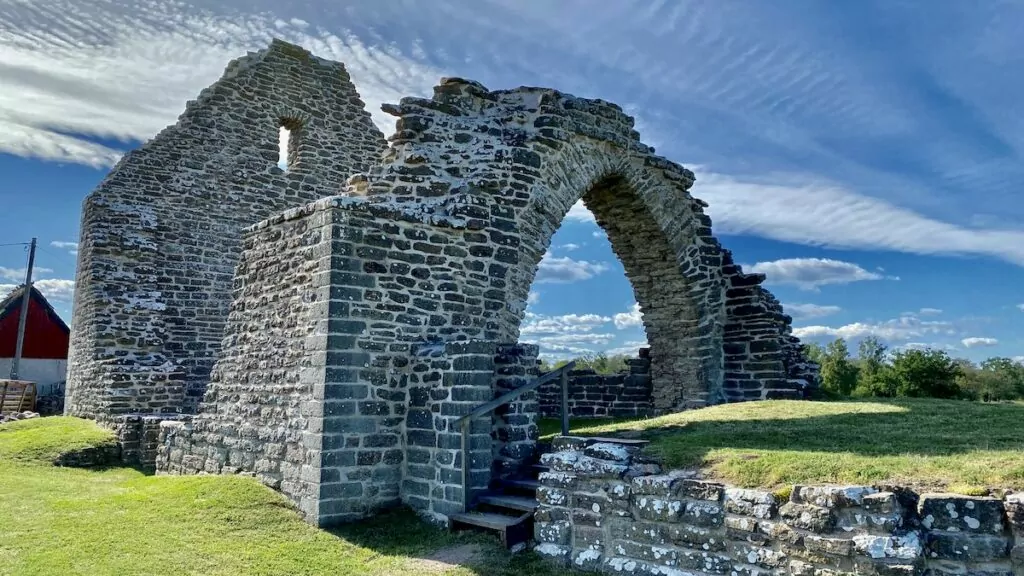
(622, 395)
(606, 508)
(161, 235)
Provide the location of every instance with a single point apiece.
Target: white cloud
(975, 342)
(1018, 359)
(580, 213)
(836, 217)
(926, 346)
(811, 273)
(929, 311)
(532, 298)
(18, 274)
(632, 318)
(809, 311)
(905, 327)
(566, 323)
(1021, 307)
(57, 291)
(562, 270)
(71, 247)
(570, 247)
(631, 348)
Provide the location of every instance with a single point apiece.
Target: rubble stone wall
(625, 394)
(605, 507)
(161, 235)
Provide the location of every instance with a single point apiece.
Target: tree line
(599, 362)
(878, 372)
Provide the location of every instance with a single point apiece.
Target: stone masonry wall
(604, 507)
(481, 180)
(161, 234)
(623, 395)
(515, 426)
(265, 409)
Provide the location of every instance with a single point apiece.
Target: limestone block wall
(605, 508)
(515, 427)
(161, 235)
(762, 358)
(623, 395)
(267, 406)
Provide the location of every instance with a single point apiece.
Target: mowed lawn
(120, 522)
(928, 444)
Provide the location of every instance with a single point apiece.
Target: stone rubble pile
(18, 416)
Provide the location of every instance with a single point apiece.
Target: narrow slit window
(288, 134)
(283, 140)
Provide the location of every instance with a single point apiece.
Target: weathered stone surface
(962, 513)
(675, 525)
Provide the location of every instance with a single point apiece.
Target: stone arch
(512, 163)
(653, 230)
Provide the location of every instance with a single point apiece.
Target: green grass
(927, 444)
(42, 440)
(118, 521)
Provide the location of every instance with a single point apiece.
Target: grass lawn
(64, 521)
(928, 444)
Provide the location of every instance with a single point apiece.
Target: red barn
(45, 352)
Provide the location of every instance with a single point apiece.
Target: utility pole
(26, 298)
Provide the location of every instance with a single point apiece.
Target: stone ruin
(322, 326)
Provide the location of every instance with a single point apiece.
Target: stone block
(944, 512)
(968, 547)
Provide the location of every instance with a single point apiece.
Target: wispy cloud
(976, 342)
(562, 270)
(929, 311)
(71, 247)
(18, 274)
(810, 311)
(566, 323)
(812, 273)
(74, 71)
(838, 218)
(1020, 307)
(906, 327)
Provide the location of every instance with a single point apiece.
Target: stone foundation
(606, 508)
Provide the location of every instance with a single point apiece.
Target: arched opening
(651, 230)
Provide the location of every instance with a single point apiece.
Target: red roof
(46, 334)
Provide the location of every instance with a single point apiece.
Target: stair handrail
(465, 421)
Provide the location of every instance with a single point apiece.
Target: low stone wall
(623, 395)
(605, 508)
(138, 436)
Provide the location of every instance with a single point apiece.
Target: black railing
(506, 398)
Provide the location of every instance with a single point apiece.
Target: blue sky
(866, 156)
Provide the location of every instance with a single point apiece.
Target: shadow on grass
(433, 550)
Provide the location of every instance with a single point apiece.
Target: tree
(870, 363)
(919, 373)
(838, 374)
(814, 352)
(994, 380)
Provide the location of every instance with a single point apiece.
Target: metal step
(518, 503)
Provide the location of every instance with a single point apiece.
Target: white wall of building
(45, 373)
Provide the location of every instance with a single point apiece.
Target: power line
(16, 244)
